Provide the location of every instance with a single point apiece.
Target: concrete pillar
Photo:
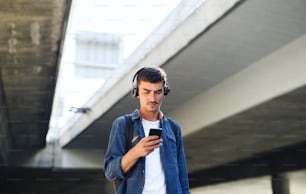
(4, 128)
(280, 184)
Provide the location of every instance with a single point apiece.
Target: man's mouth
(153, 103)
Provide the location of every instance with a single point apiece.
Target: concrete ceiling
(246, 34)
(31, 33)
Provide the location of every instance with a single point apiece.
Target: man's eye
(159, 92)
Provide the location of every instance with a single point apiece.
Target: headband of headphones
(135, 82)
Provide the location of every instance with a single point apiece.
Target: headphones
(134, 90)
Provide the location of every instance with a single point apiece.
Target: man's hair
(152, 74)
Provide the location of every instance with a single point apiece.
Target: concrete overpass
(237, 73)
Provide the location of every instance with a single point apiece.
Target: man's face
(150, 95)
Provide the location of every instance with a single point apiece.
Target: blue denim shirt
(171, 152)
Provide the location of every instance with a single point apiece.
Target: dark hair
(152, 74)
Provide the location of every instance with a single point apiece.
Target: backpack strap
(128, 132)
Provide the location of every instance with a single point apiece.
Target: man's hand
(146, 145)
(143, 148)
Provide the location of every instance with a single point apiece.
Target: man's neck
(150, 116)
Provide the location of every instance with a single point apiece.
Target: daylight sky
(135, 19)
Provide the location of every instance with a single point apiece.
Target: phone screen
(157, 132)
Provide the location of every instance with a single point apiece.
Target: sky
(135, 19)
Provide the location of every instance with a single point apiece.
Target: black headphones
(134, 90)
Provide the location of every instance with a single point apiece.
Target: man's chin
(153, 109)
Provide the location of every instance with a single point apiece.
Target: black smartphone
(156, 131)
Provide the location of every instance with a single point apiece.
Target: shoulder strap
(128, 131)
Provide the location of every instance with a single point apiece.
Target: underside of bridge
(236, 71)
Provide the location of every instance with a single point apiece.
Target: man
(151, 165)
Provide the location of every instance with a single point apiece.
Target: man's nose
(152, 96)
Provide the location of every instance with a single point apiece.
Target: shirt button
(142, 171)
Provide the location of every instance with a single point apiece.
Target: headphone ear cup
(135, 87)
(134, 92)
(166, 91)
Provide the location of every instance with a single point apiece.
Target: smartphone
(156, 131)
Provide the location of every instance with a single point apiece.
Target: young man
(151, 165)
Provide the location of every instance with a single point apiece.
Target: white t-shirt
(154, 174)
